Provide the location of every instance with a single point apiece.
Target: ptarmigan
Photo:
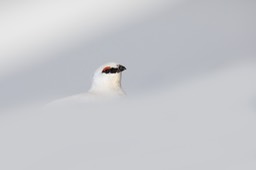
(106, 84)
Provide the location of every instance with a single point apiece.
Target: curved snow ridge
(31, 28)
(198, 124)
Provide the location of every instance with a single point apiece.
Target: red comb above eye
(106, 68)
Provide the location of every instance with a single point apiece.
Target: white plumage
(106, 84)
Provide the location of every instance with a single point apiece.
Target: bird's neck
(108, 86)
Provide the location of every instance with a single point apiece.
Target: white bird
(106, 84)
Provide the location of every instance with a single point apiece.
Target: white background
(190, 81)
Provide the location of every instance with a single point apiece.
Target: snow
(204, 123)
(31, 31)
(190, 85)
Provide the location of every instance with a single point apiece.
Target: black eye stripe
(111, 70)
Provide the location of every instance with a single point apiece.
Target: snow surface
(31, 31)
(190, 81)
(204, 123)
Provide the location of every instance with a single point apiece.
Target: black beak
(121, 68)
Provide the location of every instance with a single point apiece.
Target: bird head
(107, 79)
